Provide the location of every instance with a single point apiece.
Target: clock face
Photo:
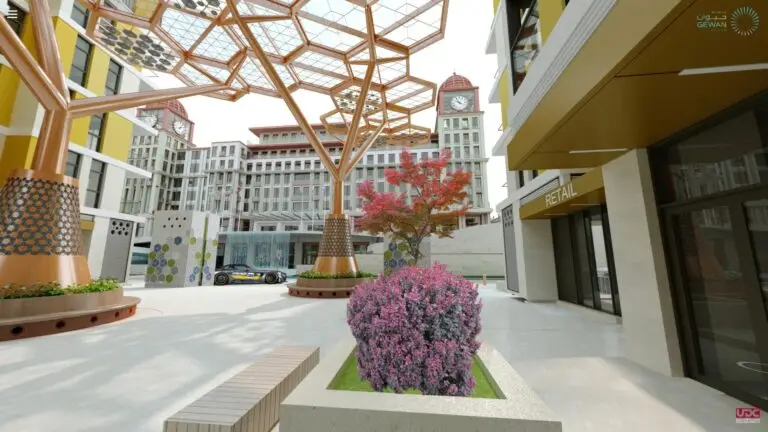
(459, 103)
(179, 127)
(151, 119)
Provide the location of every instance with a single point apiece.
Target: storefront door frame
(692, 356)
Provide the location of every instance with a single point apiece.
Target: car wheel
(221, 279)
(271, 278)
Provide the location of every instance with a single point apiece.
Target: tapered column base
(336, 255)
(40, 236)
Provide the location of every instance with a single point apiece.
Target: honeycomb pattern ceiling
(316, 45)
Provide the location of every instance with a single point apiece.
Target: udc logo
(745, 21)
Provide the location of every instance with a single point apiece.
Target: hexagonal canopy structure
(355, 51)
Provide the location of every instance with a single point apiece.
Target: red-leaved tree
(437, 201)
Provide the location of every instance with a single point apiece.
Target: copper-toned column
(40, 228)
(47, 48)
(361, 151)
(338, 197)
(52, 143)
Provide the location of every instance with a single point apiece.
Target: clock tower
(460, 129)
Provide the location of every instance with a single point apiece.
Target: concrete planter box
(312, 406)
(27, 307)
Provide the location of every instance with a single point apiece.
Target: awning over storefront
(648, 70)
(584, 191)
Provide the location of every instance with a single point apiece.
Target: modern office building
(646, 124)
(178, 179)
(99, 145)
(279, 184)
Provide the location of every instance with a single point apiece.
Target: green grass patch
(349, 379)
(311, 274)
(10, 292)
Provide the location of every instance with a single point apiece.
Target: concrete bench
(249, 401)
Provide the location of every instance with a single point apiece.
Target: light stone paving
(131, 375)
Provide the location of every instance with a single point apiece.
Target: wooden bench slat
(250, 400)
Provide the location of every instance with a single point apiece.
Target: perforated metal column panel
(510, 254)
(117, 250)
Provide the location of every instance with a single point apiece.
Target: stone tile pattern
(337, 238)
(249, 401)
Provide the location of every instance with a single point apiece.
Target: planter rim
(519, 402)
(23, 308)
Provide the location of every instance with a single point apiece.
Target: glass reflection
(757, 218)
(527, 45)
(601, 264)
(721, 316)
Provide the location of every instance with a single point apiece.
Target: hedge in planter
(9, 292)
(417, 329)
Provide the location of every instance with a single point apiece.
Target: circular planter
(27, 307)
(325, 288)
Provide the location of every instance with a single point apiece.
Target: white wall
(112, 190)
(535, 254)
(472, 251)
(641, 271)
(98, 244)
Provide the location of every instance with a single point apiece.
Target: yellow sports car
(245, 274)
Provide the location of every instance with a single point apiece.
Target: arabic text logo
(745, 21)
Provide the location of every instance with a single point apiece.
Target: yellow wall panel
(17, 154)
(66, 36)
(118, 136)
(9, 85)
(79, 132)
(549, 14)
(496, 5)
(97, 71)
(504, 90)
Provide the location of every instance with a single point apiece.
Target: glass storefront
(712, 189)
(584, 260)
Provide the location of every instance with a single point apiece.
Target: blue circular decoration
(393, 263)
(392, 247)
(208, 276)
(157, 247)
(163, 263)
(155, 263)
(177, 241)
(159, 271)
(196, 270)
(402, 263)
(174, 270)
(191, 278)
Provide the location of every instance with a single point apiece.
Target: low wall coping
(312, 406)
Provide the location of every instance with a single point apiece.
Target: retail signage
(743, 21)
(559, 195)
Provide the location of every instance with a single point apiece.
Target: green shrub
(13, 291)
(311, 274)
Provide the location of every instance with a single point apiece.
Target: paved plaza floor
(131, 375)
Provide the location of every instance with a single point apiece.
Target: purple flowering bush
(417, 329)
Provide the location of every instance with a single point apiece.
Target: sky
(461, 51)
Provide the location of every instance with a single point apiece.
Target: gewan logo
(743, 21)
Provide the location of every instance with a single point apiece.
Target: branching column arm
(362, 150)
(100, 104)
(29, 71)
(364, 89)
(282, 90)
(47, 47)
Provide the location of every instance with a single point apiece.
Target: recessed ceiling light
(555, 214)
(598, 151)
(724, 69)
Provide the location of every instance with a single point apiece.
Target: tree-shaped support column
(40, 236)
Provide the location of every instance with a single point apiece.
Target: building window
(16, 18)
(80, 14)
(475, 124)
(95, 183)
(73, 164)
(114, 74)
(309, 253)
(96, 132)
(79, 70)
